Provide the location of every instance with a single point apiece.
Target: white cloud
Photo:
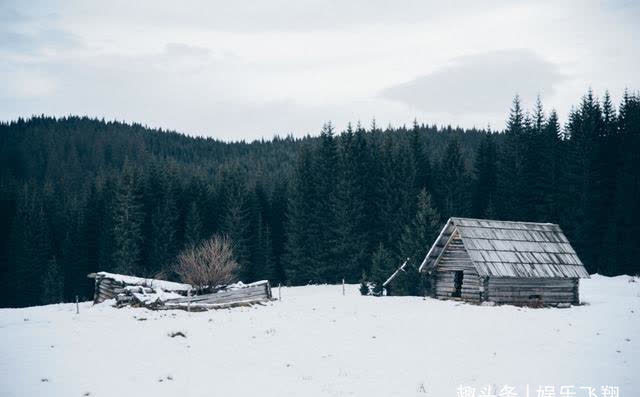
(480, 83)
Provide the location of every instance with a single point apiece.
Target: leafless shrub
(208, 264)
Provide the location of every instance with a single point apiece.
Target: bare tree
(209, 263)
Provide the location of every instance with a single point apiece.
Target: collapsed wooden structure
(163, 295)
(520, 263)
(110, 285)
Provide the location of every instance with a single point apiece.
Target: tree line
(79, 195)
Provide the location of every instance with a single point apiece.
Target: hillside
(80, 195)
(318, 342)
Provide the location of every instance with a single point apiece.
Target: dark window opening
(535, 297)
(457, 284)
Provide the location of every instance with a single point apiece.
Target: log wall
(105, 289)
(533, 291)
(455, 258)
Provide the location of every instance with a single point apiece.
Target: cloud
(250, 69)
(481, 83)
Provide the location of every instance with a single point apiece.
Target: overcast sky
(245, 70)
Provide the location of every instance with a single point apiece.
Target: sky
(244, 70)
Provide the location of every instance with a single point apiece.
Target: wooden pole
(342, 287)
(77, 306)
(189, 301)
(279, 293)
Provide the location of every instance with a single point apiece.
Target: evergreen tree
(421, 232)
(325, 211)
(193, 227)
(382, 266)
(278, 216)
(453, 183)
(303, 232)
(236, 225)
(52, 284)
(364, 284)
(30, 249)
(510, 186)
(127, 225)
(420, 159)
(351, 243)
(485, 185)
(163, 242)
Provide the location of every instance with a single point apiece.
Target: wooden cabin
(519, 263)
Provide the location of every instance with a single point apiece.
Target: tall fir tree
(453, 182)
(325, 211)
(128, 217)
(193, 226)
(303, 232)
(485, 183)
(351, 243)
(510, 189)
(52, 283)
(382, 266)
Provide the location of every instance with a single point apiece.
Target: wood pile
(110, 285)
(164, 295)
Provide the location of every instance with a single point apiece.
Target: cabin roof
(511, 249)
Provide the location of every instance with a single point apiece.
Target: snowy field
(316, 342)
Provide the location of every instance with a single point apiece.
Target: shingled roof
(511, 249)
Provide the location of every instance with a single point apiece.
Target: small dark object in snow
(178, 333)
(169, 377)
(618, 351)
(160, 380)
(287, 365)
(141, 319)
(628, 340)
(87, 394)
(373, 337)
(52, 346)
(44, 380)
(26, 319)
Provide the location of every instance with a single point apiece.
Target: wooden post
(77, 306)
(189, 301)
(342, 287)
(279, 293)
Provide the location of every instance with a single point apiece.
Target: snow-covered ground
(317, 342)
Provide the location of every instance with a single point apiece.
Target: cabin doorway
(457, 284)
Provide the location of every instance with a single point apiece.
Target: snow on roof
(146, 282)
(511, 249)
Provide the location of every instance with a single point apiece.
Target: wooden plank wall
(455, 258)
(525, 291)
(106, 288)
(256, 292)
